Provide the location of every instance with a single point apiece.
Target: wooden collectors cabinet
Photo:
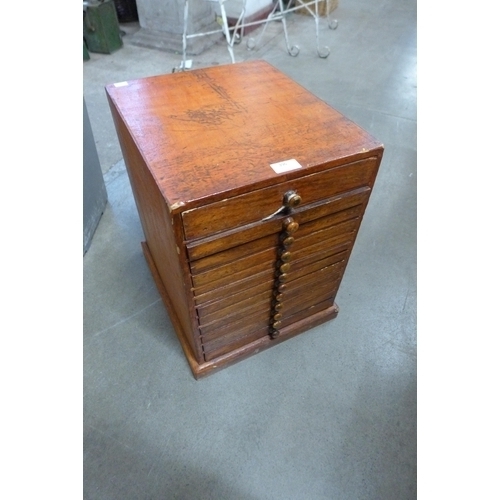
(246, 247)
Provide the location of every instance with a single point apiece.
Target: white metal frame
(279, 13)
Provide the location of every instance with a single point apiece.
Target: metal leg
(326, 51)
(294, 49)
(251, 42)
(225, 28)
(184, 34)
(240, 23)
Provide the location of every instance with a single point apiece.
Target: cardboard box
(325, 7)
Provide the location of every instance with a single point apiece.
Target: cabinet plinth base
(206, 368)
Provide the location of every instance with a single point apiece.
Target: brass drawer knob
(274, 333)
(287, 241)
(277, 316)
(278, 306)
(286, 256)
(278, 296)
(281, 287)
(290, 226)
(291, 199)
(276, 324)
(282, 277)
(283, 268)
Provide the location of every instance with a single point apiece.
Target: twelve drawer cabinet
(250, 192)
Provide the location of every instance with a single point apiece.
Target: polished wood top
(212, 133)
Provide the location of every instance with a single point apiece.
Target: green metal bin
(101, 30)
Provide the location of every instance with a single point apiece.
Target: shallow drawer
(232, 336)
(235, 238)
(251, 303)
(235, 287)
(238, 299)
(299, 302)
(302, 288)
(238, 269)
(258, 262)
(271, 241)
(237, 328)
(300, 270)
(244, 292)
(307, 312)
(257, 205)
(236, 314)
(214, 349)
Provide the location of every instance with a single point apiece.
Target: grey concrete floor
(330, 414)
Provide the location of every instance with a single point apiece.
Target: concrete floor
(330, 414)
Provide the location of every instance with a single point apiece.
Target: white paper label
(121, 84)
(285, 166)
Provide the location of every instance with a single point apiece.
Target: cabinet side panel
(158, 227)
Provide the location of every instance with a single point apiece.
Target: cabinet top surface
(210, 133)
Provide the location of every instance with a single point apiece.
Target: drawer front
(272, 241)
(235, 238)
(239, 327)
(238, 333)
(251, 299)
(301, 268)
(313, 236)
(238, 298)
(258, 205)
(213, 349)
(241, 287)
(217, 323)
(234, 301)
(235, 287)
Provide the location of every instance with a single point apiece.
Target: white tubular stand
(278, 13)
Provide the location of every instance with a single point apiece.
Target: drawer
(261, 261)
(234, 287)
(300, 270)
(315, 253)
(214, 349)
(234, 335)
(300, 301)
(258, 205)
(252, 303)
(237, 329)
(229, 303)
(242, 300)
(305, 285)
(237, 237)
(272, 240)
(305, 313)
(237, 299)
(242, 293)
(236, 270)
(235, 315)
(318, 277)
